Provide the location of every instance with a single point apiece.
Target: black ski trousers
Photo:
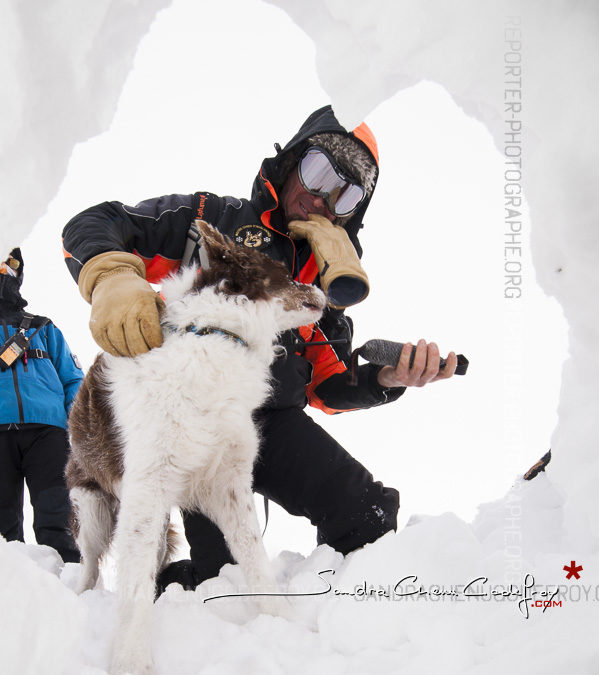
(309, 474)
(37, 453)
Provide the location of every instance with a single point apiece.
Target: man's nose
(320, 206)
(319, 201)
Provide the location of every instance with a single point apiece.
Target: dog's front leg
(232, 507)
(139, 531)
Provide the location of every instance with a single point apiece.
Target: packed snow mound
(402, 604)
(63, 67)
(41, 619)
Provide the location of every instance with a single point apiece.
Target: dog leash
(265, 515)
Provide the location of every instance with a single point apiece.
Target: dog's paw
(86, 582)
(131, 657)
(275, 606)
(124, 666)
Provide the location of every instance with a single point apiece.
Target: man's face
(297, 203)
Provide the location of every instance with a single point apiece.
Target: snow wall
(63, 67)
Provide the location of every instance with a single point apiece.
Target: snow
(364, 624)
(376, 49)
(37, 610)
(63, 68)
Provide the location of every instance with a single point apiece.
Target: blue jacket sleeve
(68, 371)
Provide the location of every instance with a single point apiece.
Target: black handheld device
(387, 353)
(12, 349)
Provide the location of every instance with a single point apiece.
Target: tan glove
(125, 318)
(341, 275)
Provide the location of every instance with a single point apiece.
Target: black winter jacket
(156, 231)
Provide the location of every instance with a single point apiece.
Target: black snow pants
(304, 470)
(37, 453)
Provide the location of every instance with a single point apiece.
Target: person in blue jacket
(39, 377)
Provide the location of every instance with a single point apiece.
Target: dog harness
(194, 248)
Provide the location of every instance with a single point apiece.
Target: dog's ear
(243, 270)
(213, 241)
(177, 285)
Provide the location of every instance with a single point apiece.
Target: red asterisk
(573, 570)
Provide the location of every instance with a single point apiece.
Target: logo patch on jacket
(76, 361)
(253, 236)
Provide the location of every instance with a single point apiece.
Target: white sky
(433, 244)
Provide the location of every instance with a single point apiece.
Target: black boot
(180, 572)
(51, 522)
(209, 552)
(536, 469)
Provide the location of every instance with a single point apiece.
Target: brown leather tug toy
(342, 277)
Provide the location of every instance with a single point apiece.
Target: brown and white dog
(174, 427)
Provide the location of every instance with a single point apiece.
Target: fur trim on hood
(352, 157)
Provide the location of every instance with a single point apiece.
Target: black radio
(13, 349)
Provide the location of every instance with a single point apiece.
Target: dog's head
(246, 275)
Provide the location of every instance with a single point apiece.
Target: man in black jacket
(306, 209)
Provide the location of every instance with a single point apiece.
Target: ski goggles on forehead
(320, 175)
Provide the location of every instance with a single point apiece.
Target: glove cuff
(344, 282)
(342, 277)
(105, 265)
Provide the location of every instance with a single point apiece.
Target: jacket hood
(10, 287)
(274, 170)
